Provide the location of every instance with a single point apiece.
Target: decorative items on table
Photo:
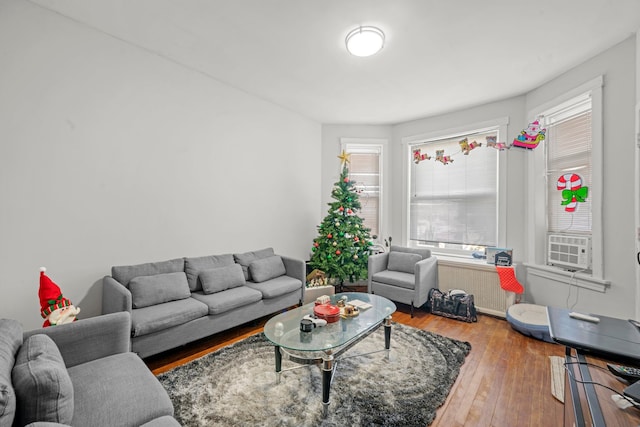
(328, 312)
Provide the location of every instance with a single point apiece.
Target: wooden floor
(505, 380)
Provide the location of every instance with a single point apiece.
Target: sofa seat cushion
(165, 421)
(245, 259)
(117, 390)
(159, 288)
(194, 266)
(42, 385)
(230, 299)
(162, 316)
(279, 286)
(395, 278)
(10, 342)
(125, 273)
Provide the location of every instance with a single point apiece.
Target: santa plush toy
(54, 308)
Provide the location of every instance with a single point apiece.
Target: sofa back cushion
(268, 268)
(403, 261)
(193, 267)
(247, 258)
(125, 273)
(10, 342)
(152, 290)
(222, 278)
(43, 387)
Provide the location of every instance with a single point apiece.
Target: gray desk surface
(615, 339)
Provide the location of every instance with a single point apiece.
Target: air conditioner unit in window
(573, 252)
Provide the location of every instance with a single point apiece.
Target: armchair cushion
(10, 341)
(221, 279)
(267, 268)
(159, 288)
(403, 261)
(42, 384)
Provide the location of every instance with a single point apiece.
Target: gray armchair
(403, 275)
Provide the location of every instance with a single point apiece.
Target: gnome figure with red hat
(54, 308)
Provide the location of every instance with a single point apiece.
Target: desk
(588, 344)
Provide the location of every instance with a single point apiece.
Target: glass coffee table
(326, 344)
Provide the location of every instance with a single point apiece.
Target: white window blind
(364, 170)
(569, 146)
(455, 203)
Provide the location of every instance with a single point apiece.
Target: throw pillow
(403, 261)
(247, 258)
(193, 267)
(220, 279)
(152, 290)
(10, 342)
(125, 273)
(43, 387)
(267, 268)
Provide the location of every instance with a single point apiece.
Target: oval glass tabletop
(284, 329)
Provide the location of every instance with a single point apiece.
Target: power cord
(618, 398)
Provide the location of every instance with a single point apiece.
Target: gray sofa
(181, 300)
(78, 374)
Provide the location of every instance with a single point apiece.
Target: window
(455, 206)
(365, 169)
(573, 146)
(568, 155)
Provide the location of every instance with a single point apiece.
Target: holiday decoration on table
(341, 249)
(572, 191)
(54, 308)
(530, 137)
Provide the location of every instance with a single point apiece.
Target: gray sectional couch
(181, 300)
(78, 374)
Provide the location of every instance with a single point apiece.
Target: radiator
(480, 281)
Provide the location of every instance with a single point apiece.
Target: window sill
(465, 262)
(577, 279)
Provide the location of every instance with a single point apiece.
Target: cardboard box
(502, 255)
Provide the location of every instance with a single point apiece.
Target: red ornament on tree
(316, 244)
(329, 236)
(338, 252)
(341, 208)
(346, 179)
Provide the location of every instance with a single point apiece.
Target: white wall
(111, 155)
(618, 67)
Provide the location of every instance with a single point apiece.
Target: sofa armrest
(426, 274)
(295, 268)
(376, 264)
(115, 297)
(90, 339)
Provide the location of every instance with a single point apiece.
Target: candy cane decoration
(573, 191)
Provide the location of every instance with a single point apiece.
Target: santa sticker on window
(572, 191)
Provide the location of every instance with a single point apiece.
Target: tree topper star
(344, 157)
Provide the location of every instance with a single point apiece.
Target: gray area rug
(235, 386)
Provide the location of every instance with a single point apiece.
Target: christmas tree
(341, 249)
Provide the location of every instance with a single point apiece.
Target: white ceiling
(440, 55)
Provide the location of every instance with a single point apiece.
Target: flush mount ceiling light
(365, 41)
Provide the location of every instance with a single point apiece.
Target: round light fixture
(365, 41)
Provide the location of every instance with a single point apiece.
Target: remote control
(628, 373)
(582, 316)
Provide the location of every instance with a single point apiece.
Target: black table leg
(327, 374)
(278, 363)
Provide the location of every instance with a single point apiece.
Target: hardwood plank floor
(505, 380)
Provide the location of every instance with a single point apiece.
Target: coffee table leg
(327, 373)
(387, 335)
(278, 364)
